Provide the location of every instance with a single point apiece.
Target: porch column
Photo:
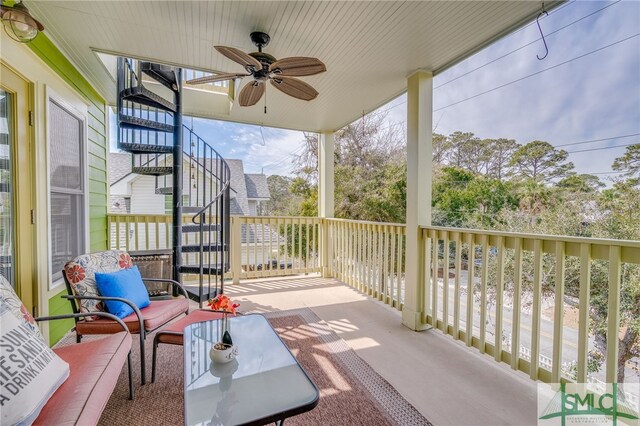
(326, 149)
(419, 172)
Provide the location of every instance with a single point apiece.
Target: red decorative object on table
(223, 304)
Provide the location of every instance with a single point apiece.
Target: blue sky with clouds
(595, 96)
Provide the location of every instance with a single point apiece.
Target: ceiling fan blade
(215, 77)
(297, 66)
(251, 93)
(294, 87)
(239, 56)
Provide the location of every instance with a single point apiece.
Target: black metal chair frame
(76, 316)
(73, 299)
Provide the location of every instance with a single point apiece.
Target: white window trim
(56, 285)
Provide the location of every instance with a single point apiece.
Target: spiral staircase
(186, 168)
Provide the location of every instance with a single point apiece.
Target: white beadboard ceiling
(369, 47)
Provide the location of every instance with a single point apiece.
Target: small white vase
(225, 355)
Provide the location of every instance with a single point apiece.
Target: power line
(285, 159)
(597, 140)
(515, 32)
(526, 45)
(537, 73)
(601, 148)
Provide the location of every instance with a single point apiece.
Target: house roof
(119, 166)
(244, 186)
(368, 47)
(239, 202)
(257, 186)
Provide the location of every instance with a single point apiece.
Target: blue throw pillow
(126, 284)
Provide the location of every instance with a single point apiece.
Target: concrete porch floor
(447, 382)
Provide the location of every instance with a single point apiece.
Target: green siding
(98, 147)
(59, 306)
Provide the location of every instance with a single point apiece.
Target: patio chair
(79, 277)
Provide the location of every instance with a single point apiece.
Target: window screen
(67, 186)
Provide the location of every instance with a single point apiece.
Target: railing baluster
(537, 306)
(470, 284)
(117, 226)
(392, 270)
(456, 289)
(434, 284)
(361, 256)
(583, 315)
(499, 300)
(255, 247)
(299, 245)
(146, 233)
(377, 284)
(401, 267)
(127, 237)
(307, 245)
(445, 283)
(558, 315)
(427, 240)
(517, 288)
(278, 254)
(349, 242)
(157, 226)
(613, 314)
(483, 292)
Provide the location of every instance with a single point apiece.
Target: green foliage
(584, 183)
(629, 162)
(540, 161)
(461, 198)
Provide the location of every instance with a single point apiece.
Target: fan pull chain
(265, 98)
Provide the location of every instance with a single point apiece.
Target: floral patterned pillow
(81, 275)
(10, 299)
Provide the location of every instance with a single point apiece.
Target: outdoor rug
(351, 392)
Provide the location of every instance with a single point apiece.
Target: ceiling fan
(262, 67)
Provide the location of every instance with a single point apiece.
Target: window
(66, 162)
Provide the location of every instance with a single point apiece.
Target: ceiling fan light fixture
(19, 24)
(263, 67)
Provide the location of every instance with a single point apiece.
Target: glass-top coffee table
(264, 384)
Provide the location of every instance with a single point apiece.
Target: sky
(586, 88)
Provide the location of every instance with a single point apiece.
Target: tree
(580, 183)
(499, 153)
(441, 147)
(622, 206)
(540, 162)
(369, 171)
(282, 201)
(459, 144)
(462, 198)
(629, 163)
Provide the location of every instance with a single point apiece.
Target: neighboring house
(136, 194)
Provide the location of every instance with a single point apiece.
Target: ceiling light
(18, 22)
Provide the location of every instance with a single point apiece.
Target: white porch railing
(268, 246)
(489, 273)
(369, 256)
(492, 290)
